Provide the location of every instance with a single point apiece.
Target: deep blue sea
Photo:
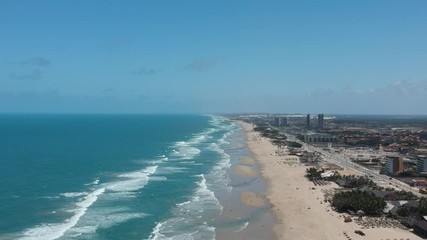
(112, 176)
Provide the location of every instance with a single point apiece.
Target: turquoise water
(112, 176)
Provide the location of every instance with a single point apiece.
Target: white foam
(155, 234)
(77, 231)
(205, 196)
(94, 182)
(54, 231)
(191, 163)
(132, 181)
(171, 169)
(51, 197)
(243, 227)
(185, 150)
(191, 218)
(158, 178)
(110, 217)
(218, 176)
(183, 203)
(74, 194)
(128, 182)
(224, 162)
(198, 138)
(216, 120)
(161, 158)
(154, 161)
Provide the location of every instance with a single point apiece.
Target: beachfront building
(319, 137)
(421, 163)
(394, 164)
(320, 121)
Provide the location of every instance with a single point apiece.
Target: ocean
(115, 176)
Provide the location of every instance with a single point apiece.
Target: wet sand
(246, 213)
(252, 199)
(245, 171)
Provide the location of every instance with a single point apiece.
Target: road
(345, 162)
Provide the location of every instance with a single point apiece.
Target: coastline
(298, 206)
(246, 211)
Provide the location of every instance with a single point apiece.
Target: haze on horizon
(362, 57)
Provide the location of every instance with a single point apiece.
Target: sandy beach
(246, 213)
(298, 205)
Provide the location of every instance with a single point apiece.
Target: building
(319, 137)
(307, 124)
(320, 121)
(277, 121)
(283, 121)
(394, 164)
(421, 163)
(419, 224)
(418, 182)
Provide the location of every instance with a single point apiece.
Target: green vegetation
(357, 200)
(294, 144)
(313, 173)
(267, 131)
(274, 135)
(422, 206)
(406, 211)
(404, 195)
(351, 181)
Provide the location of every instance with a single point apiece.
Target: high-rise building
(283, 121)
(394, 164)
(320, 121)
(307, 124)
(277, 121)
(421, 163)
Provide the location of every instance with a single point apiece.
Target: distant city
(393, 145)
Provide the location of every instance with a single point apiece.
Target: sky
(331, 56)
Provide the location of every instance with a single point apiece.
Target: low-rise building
(418, 182)
(319, 137)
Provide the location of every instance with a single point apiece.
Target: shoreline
(246, 213)
(298, 206)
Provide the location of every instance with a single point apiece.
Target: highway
(345, 162)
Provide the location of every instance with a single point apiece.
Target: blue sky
(213, 56)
